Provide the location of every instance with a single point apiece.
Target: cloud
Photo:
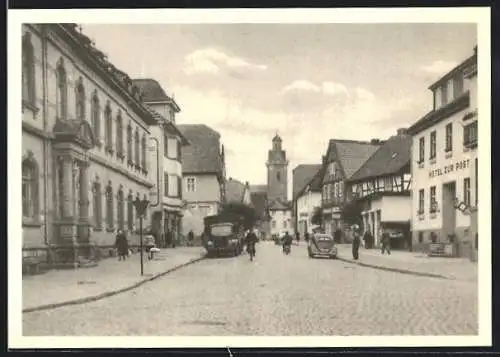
(301, 85)
(439, 67)
(326, 88)
(210, 60)
(332, 88)
(246, 130)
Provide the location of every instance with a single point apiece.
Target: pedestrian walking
(386, 243)
(368, 239)
(337, 235)
(121, 244)
(190, 238)
(356, 242)
(297, 237)
(306, 237)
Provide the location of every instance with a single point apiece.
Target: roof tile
(203, 154)
(391, 157)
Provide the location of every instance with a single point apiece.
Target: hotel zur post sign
(460, 165)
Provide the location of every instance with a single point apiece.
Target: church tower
(277, 170)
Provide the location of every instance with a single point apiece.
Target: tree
(249, 214)
(317, 216)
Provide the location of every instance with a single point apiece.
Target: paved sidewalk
(65, 287)
(416, 263)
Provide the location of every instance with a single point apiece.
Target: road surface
(273, 295)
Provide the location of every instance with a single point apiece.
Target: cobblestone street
(273, 295)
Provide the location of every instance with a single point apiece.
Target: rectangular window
(284, 224)
(467, 200)
(190, 184)
(458, 86)
(449, 137)
(470, 135)
(335, 190)
(172, 148)
(475, 181)
(444, 94)
(165, 184)
(433, 145)
(273, 224)
(421, 150)
(204, 210)
(432, 199)
(420, 201)
(341, 189)
(172, 186)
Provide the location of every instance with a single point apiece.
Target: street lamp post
(140, 206)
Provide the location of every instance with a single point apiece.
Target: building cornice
(102, 68)
(434, 117)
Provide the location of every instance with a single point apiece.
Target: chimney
(402, 132)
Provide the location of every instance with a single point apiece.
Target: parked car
(321, 245)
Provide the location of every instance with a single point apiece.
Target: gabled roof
(234, 190)
(152, 91)
(390, 158)
(259, 202)
(203, 155)
(352, 154)
(278, 205)
(302, 175)
(171, 127)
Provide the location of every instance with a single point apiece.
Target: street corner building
(85, 134)
(342, 159)
(306, 196)
(381, 188)
(445, 165)
(165, 152)
(204, 176)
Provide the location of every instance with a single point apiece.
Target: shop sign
(460, 165)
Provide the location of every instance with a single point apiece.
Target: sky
(307, 82)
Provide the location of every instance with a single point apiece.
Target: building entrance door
(448, 211)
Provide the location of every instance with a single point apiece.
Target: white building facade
(85, 137)
(444, 164)
(281, 221)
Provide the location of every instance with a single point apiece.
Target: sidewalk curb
(395, 270)
(113, 292)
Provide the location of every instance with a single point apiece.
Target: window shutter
(179, 150)
(179, 187)
(165, 184)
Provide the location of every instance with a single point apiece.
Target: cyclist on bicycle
(250, 240)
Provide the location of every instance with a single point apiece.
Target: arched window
(30, 188)
(137, 149)
(62, 91)
(109, 207)
(121, 209)
(96, 116)
(278, 176)
(130, 211)
(144, 153)
(108, 128)
(130, 153)
(97, 205)
(80, 100)
(28, 70)
(119, 136)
